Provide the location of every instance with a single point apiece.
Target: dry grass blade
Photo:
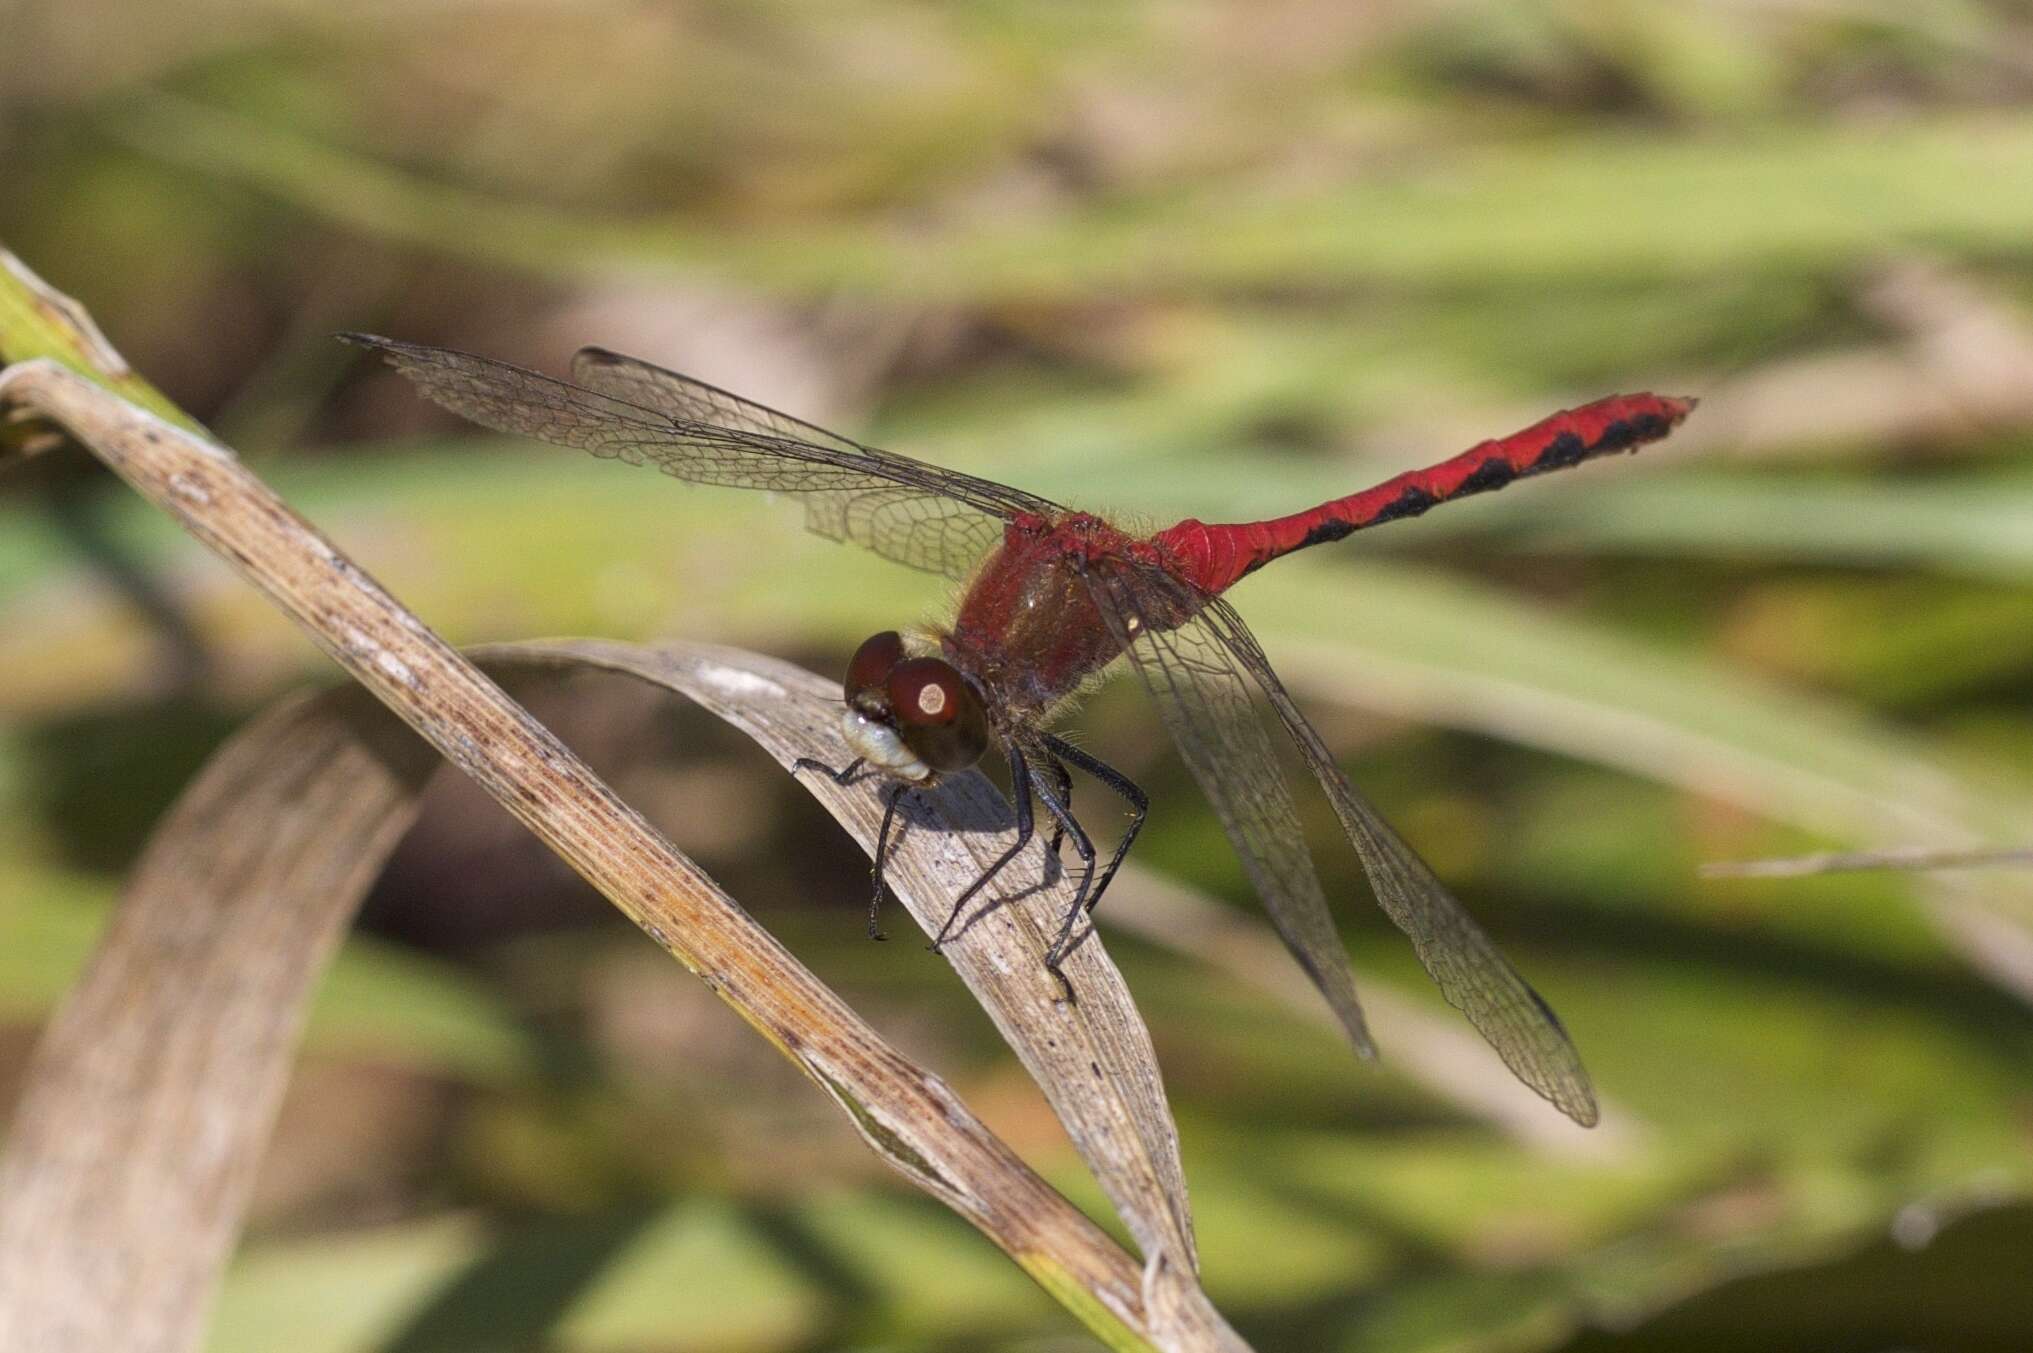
(37, 320)
(1092, 1056)
(154, 1088)
(1916, 858)
(907, 1115)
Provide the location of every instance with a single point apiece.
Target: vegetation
(1217, 260)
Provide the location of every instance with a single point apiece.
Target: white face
(879, 745)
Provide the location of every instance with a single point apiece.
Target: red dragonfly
(1052, 597)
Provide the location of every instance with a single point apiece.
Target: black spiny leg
(1083, 845)
(1139, 805)
(1062, 782)
(882, 854)
(845, 775)
(1020, 794)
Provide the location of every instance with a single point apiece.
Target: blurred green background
(1167, 258)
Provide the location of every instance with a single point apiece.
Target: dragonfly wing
(1204, 667)
(1208, 706)
(921, 515)
(1470, 970)
(687, 397)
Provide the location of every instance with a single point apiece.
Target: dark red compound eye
(873, 662)
(937, 713)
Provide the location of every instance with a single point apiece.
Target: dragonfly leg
(881, 856)
(1062, 783)
(844, 775)
(1020, 794)
(1139, 805)
(1083, 845)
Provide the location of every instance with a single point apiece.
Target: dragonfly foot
(844, 775)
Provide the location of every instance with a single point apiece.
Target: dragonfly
(1050, 598)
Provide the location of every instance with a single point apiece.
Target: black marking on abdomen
(1617, 436)
(1650, 427)
(1333, 528)
(1568, 449)
(1409, 503)
(1493, 473)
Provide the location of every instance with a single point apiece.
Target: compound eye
(937, 713)
(873, 662)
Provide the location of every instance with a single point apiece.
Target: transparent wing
(686, 397)
(929, 518)
(1204, 668)
(1207, 706)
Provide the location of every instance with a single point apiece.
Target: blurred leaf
(36, 320)
(378, 1003)
(1972, 525)
(1585, 209)
(1180, 263)
(342, 1293)
(1445, 649)
(703, 1274)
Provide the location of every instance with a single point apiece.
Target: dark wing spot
(1546, 1010)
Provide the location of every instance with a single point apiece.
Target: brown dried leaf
(162, 1259)
(1093, 1055)
(154, 1088)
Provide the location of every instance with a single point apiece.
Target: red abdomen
(1214, 557)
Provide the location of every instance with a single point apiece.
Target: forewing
(1471, 972)
(938, 520)
(689, 398)
(1208, 706)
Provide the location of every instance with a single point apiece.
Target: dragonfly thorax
(911, 717)
(1027, 629)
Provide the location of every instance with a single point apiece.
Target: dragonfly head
(913, 717)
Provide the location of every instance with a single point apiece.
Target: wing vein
(1206, 671)
(621, 408)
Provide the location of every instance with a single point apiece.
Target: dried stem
(907, 1115)
(1915, 858)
